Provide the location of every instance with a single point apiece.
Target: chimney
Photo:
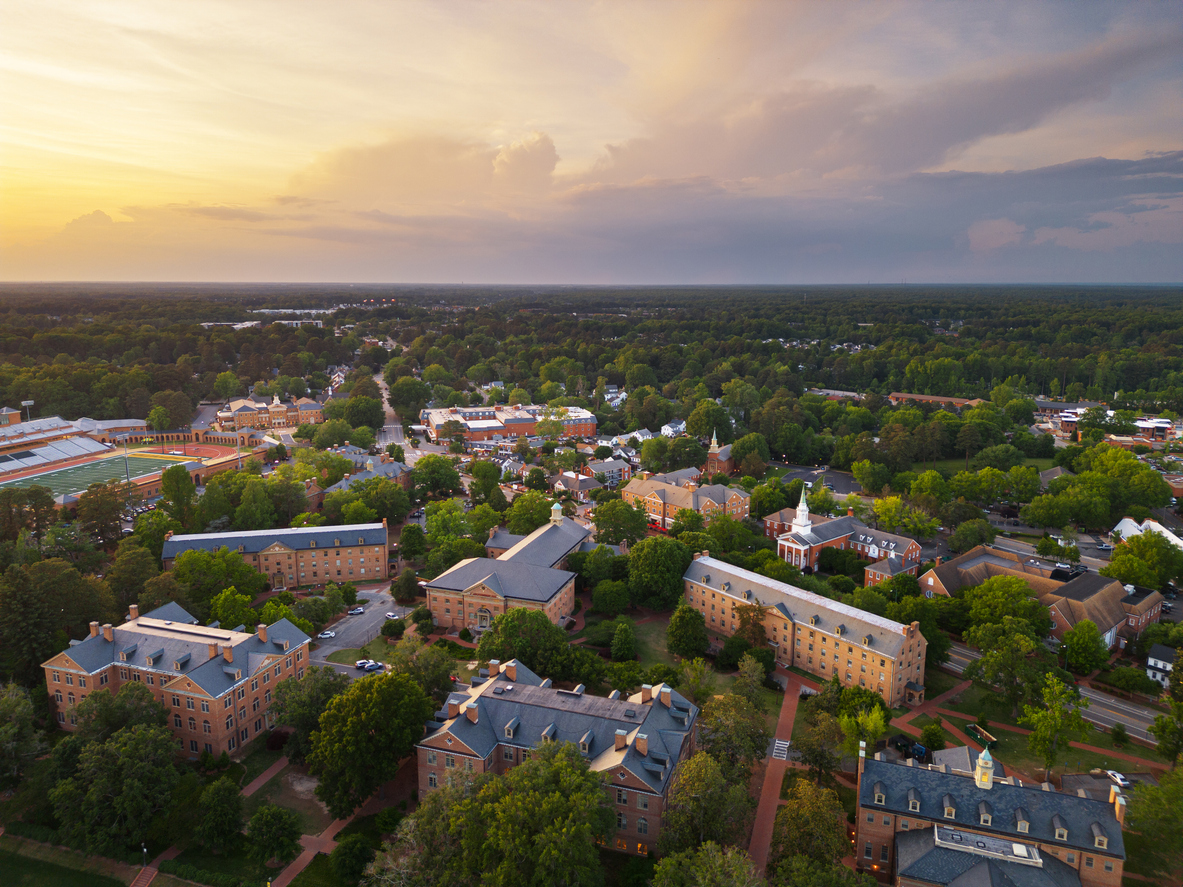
(134, 610)
(453, 708)
(213, 650)
(228, 653)
(261, 631)
(494, 667)
(1119, 810)
(492, 532)
(471, 711)
(850, 511)
(621, 739)
(937, 561)
(94, 629)
(665, 695)
(1114, 791)
(168, 535)
(646, 692)
(108, 632)
(510, 669)
(642, 744)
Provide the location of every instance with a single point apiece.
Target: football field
(76, 478)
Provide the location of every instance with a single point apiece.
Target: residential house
(661, 501)
(807, 535)
(683, 477)
(1127, 528)
(674, 428)
(811, 632)
(615, 471)
(383, 466)
(578, 485)
(298, 556)
(1160, 663)
(1120, 612)
(920, 826)
(217, 684)
(637, 742)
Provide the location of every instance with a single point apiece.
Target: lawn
(293, 789)
(625, 870)
(923, 721)
(937, 682)
(319, 873)
(257, 760)
(364, 825)
(21, 870)
(1142, 858)
(651, 642)
(955, 465)
(235, 861)
(26, 862)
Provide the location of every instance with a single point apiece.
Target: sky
(591, 142)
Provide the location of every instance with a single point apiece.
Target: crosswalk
(780, 750)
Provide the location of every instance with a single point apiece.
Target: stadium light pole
(126, 468)
(28, 412)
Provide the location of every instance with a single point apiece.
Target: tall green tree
(21, 742)
(206, 573)
(1154, 813)
(120, 786)
(734, 732)
(818, 748)
(812, 824)
(703, 806)
(528, 512)
(655, 568)
(1085, 648)
(531, 638)
(134, 565)
(1009, 661)
(618, 522)
(221, 815)
(102, 507)
(256, 511)
(1057, 721)
(230, 609)
(686, 634)
(363, 736)
(624, 643)
(274, 833)
(708, 866)
(1168, 732)
(299, 705)
(179, 494)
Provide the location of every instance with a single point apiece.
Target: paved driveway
(354, 632)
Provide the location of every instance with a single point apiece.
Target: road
(1104, 710)
(392, 432)
(354, 632)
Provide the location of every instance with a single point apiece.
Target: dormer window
(1023, 826)
(984, 819)
(879, 799)
(950, 812)
(337, 542)
(361, 540)
(312, 543)
(914, 806)
(1061, 828)
(880, 793)
(1061, 834)
(1100, 843)
(950, 806)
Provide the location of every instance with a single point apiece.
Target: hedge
(33, 832)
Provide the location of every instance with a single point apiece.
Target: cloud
(95, 221)
(991, 234)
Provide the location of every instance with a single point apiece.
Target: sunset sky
(614, 142)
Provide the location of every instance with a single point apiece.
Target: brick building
(821, 636)
(927, 826)
(298, 556)
(661, 501)
(801, 537)
(217, 685)
(252, 412)
(719, 459)
(501, 423)
(637, 742)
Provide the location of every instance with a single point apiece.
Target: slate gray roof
(607, 466)
(168, 641)
(919, 858)
(1078, 814)
(549, 544)
(827, 530)
(254, 541)
(963, 758)
(679, 477)
(373, 468)
(1162, 653)
(887, 637)
(511, 579)
(570, 716)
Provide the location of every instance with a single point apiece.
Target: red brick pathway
(263, 778)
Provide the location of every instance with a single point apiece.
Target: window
(267, 696)
(1071, 857)
(431, 780)
(103, 678)
(177, 721)
(1061, 834)
(205, 707)
(621, 820)
(643, 802)
(914, 806)
(57, 677)
(903, 825)
(1088, 862)
(278, 669)
(206, 727)
(57, 695)
(176, 702)
(984, 819)
(468, 765)
(883, 853)
(254, 685)
(1108, 865)
(507, 754)
(879, 799)
(242, 692)
(70, 680)
(192, 745)
(950, 813)
(450, 762)
(431, 757)
(209, 748)
(227, 702)
(151, 680)
(193, 724)
(642, 826)
(229, 721)
(867, 850)
(621, 796)
(1023, 826)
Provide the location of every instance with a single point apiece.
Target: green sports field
(77, 478)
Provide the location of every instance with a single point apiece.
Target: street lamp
(28, 413)
(144, 847)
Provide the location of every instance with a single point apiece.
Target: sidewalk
(263, 778)
(774, 776)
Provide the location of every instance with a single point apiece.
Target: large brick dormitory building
(217, 684)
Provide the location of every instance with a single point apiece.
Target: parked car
(375, 666)
(357, 611)
(1104, 546)
(391, 615)
(1118, 778)
(325, 635)
(363, 664)
(1062, 566)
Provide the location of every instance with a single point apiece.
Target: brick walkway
(313, 844)
(774, 776)
(263, 778)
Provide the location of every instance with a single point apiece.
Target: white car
(391, 616)
(1118, 778)
(325, 635)
(363, 664)
(357, 611)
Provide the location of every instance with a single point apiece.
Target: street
(354, 632)
(1104, 710)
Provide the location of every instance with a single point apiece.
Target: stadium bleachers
(51, 453)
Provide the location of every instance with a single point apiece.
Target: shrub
(33, 832)
(286, 597)
(1133, 680)
(224, 760)
(205, 760)
(387, 821)
(1119, 734)
(350, 858)
(465, 634)
(578, 605)
(733, 649)
(201, 876)
(394, 628)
